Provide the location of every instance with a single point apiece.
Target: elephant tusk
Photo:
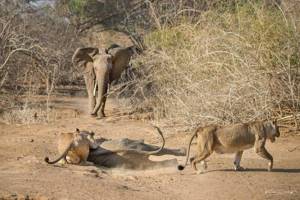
(95, 89)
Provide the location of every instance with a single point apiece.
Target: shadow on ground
(281, 170)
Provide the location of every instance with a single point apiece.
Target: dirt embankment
(24, 175)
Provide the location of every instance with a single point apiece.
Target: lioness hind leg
(204, 164)
(62, 161)
(72, 158)
(237, 160)
(201, 157)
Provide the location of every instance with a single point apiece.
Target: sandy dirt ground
(25, 175)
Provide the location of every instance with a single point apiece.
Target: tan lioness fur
(233, 139)
(74, 148)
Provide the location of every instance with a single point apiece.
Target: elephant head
(99, 69)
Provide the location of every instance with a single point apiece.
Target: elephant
(100, 69)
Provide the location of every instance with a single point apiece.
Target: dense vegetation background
(206, 61)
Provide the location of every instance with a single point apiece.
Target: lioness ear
(92, 133)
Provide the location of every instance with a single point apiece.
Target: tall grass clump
(230, 65)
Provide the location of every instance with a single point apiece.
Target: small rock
(94, 171)
(19, 157)
(132, 178)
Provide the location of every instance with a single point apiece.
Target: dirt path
(24, 174)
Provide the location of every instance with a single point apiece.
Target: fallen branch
(289, 116)
(293, 149)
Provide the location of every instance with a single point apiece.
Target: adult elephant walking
(99, 69)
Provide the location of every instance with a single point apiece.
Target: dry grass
(36, 114)
(231, 66)
(32, 109)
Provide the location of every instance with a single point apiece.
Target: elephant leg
(102, 114)
(89, 78)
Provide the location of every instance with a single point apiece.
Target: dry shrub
(236, 65)
(35, 48)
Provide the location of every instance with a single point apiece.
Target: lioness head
(90, 137)
(272, 130)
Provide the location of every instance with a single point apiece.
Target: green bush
(78, 6)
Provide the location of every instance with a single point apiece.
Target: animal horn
(95, 89)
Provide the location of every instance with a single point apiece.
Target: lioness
(74, 148)
(233, 139)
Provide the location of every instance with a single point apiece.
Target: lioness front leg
(237, 161)
(262, 152)
(84, 161)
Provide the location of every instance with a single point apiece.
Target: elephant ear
(120, 61)
(82, 56)
(112, 46)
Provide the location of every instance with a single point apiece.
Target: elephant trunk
(102, 89)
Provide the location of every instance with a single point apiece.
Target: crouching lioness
(74, 147)
(233, 139)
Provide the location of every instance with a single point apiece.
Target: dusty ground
(23, 173)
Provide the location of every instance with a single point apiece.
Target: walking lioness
(233, 139)
(74, 148)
